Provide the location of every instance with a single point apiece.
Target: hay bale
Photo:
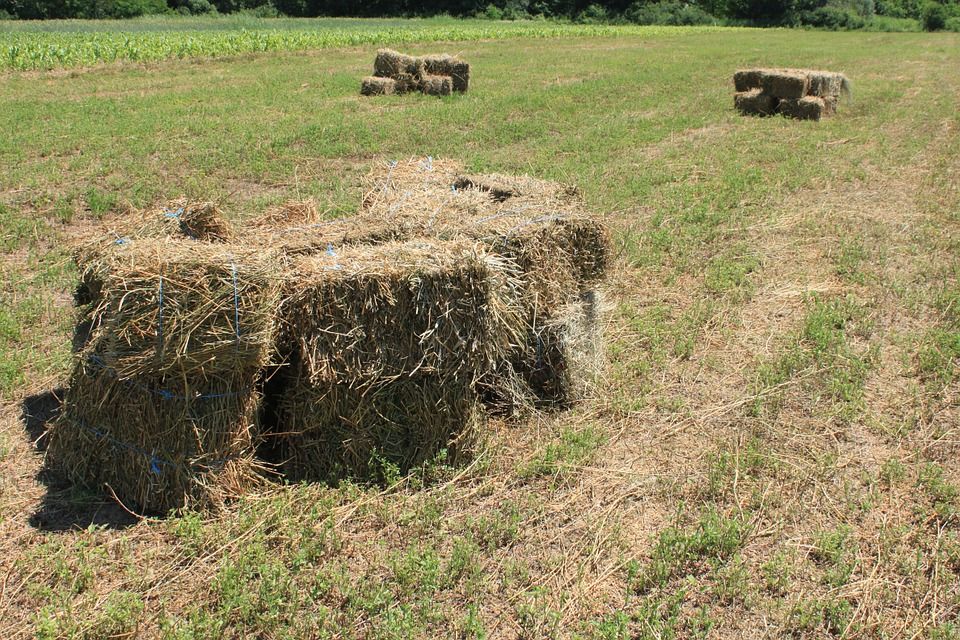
(391, 64)
(374, 86)
(162, 404)
(747, 79)
(446, 65)
(159, 443)
(806, 108)
(755, 102)
(336, 431)
(407, 82)
(436, 85)
(785, 84)
(372, 312)
(824, 84)
(386, 343)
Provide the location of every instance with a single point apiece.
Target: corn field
(22, 50)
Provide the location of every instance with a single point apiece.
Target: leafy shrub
(667, 12)
(833, 18)
(953, 24)
(593, 14)
(934, 17)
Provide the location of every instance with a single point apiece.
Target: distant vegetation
(874, 15)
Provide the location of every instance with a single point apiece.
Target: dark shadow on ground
(65, 506)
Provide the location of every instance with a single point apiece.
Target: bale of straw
(806, 108)
(446, 65)
(371, 312)
(785, 84)
(163, 401)
(375, 86)
(435, 85)
(747, 79)
(407, 82)
(391, 64)
(158, 443)
(335, 431)
(825, 84)
(755, 102)
(184, 307)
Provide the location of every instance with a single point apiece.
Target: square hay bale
(755, 103)
(436, 85)
(334, 431)
(824, 84)
(186, 307)
(159, 443)
(372, 312)
(374, 86)
(391, 64)
(785, 84)
(747, 79)
(806, 108)
(407, 82)
(502, 187)
(446, 65)
(162, 404)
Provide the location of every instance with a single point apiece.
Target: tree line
(830, 14)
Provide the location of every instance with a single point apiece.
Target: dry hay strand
(784, 83)
(806, 108)
(425, 308)
(162, 404)
(375, 86)
(755, 103)
(747, 79)
(447, 65)
(392, 64)
(436, 85)
(335, 431)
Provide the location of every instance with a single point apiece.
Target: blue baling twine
(173, 214)
(156, 462)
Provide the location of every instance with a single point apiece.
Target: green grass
(781, 352)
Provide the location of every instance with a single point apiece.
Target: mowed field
(772, 451)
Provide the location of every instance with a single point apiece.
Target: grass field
(775, 450)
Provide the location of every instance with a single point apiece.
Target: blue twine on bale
(163, 394)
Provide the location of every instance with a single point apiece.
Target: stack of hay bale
(797, 93)
(162, 405)
(346, 349)
(438, 75)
